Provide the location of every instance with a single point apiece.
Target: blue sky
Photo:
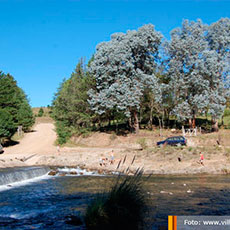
(41, 41)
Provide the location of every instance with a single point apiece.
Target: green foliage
(7, 125)
(128, 81)
(123, 68)
(226, 112)
(14, 103)
(40, 112)
(123, 207)
(70, 107)
(63, 132)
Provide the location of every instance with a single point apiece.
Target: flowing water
(47, 202)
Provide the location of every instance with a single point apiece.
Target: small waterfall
(8, 176)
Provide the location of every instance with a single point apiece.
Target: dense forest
(14, 108)
(139, 77)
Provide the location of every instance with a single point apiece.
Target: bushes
(123, 207)
(63, 132)
(40, 112)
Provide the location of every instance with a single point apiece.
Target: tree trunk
(190, 122)
(194, 122)
(151, 118)
(136, 122)
(159, 120)
(130, 124)
(215, 127)
(222, 120)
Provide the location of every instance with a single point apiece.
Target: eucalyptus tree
(218, 38)
(123, 68)
(186, 45)
(194, 69)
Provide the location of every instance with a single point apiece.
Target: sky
(41, 41)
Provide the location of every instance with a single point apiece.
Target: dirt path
(37, 148)
(40, 141)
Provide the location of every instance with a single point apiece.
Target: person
(58, 148)
(112, 158)
(201, 159)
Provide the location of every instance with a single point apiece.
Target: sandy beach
(38, 148)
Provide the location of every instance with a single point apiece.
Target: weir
(8, 176)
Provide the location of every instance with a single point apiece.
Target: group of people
(105, 160)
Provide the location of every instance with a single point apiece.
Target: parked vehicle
(176, 141)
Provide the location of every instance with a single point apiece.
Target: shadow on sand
(9, 143)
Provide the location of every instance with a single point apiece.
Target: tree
(123, 68)
(70, 108)
(41, 112)
(7, 125)
(186, 44)
(218, 38)
(25, 117)
(14, 103)
(193, 69)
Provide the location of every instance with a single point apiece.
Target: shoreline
(95, 152)
(71, 161)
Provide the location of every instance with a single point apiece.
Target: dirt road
(39, 141)
(37, 148)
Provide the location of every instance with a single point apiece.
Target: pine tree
(41, 112)
(14, 102)
(7, 125)
(70, 107)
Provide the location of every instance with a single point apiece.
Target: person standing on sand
(201, 159)
(58, 149)
(112, 158)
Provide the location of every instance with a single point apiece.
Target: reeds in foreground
(123, 207)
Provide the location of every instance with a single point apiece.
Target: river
(48, 202)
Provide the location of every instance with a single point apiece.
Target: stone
(52, 173)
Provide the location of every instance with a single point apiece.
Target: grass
(142, 143)
(123, 207)
(16, 137)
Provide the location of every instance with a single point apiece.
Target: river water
(48, 202)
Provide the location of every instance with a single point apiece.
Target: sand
(38, 148)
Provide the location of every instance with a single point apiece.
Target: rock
(62, 174)
(73, 173)
(52, 173)
(100, 171)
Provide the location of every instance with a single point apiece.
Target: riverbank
(130, 152)
(91, 159)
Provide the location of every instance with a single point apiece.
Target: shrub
(226, 112)
(123, 207)
(63, 133)
(40, 112)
